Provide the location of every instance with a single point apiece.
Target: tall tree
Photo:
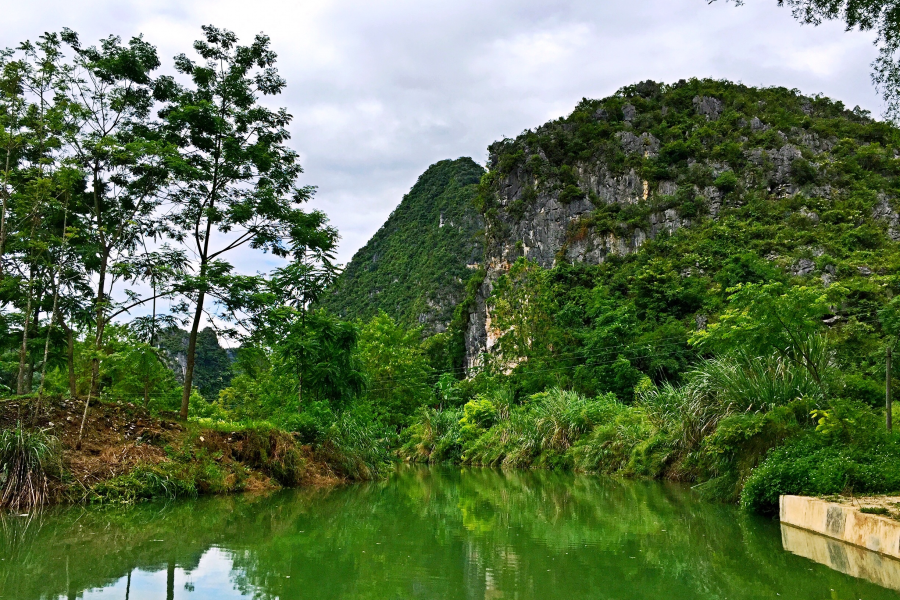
(236, 180)
(36, 189)
(13, 135)
(396, 367)
(111, 95)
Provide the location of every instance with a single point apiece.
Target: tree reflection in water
(424, 533)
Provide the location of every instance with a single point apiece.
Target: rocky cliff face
(647, 162)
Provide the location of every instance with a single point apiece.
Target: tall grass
(685, 412)
(562, 416)
(26, 459)
(356, 448)
(434, 436)
(744, 383)
(715, 428)
(610, 447)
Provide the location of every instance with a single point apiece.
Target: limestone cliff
(654, 159)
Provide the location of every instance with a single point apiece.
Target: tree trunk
(888, 400)
(23, 349)
(53, 312)
(3, 234)
(29, 375)
(170, 580)
(101, 324)
(70, 358)
(192, 347)
(87, 406)
(3, 226)
(70, 352)
(29, 367)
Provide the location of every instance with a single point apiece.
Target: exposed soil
(119, 437)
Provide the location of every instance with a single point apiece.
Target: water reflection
(211, 575)
(426, 533)
(846, 558)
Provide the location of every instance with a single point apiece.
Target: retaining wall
(843, 522)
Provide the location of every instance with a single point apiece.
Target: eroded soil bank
(126, 454)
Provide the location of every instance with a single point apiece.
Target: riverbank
(127, 454)
(694, 434)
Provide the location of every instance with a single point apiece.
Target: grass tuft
(26, 457)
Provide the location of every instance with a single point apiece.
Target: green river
(441, 533)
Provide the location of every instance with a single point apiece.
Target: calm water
(440, 533)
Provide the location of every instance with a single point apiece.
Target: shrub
(201, 408)
(570, 193)
(146, 482)
(727, 181)
(479, 412)
(820, 464)
(312, 423)
(740, 442)
(803, 171)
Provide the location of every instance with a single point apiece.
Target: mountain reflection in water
(441, 533)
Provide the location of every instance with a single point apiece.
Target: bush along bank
(750, 457)
(126, 454)
(741, 428)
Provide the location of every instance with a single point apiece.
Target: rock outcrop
(648, 162)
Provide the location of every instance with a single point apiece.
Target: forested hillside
(415, 267)
(695, 281)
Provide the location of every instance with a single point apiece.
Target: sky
(379, 90)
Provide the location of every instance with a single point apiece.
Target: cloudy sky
(382, 89)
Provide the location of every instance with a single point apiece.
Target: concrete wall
(843, 522)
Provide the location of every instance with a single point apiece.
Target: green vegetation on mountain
(822, 221)
(212, 369)
(415, 267)
(758, 319)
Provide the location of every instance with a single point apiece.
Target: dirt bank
(126, 454)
